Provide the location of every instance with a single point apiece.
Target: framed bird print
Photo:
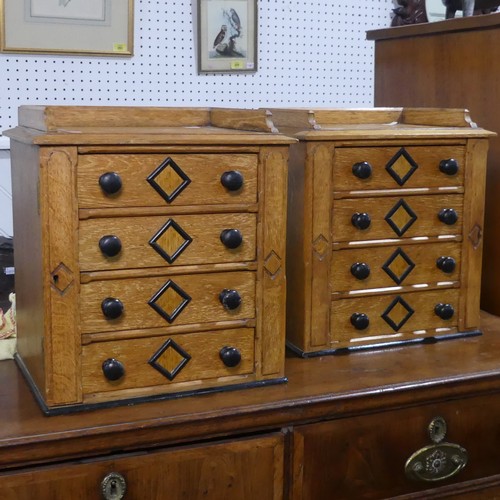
(103, 27)
(227, 36)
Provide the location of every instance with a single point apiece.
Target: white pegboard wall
(310, 53)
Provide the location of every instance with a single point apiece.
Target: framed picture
(67, 26)
(227, 36)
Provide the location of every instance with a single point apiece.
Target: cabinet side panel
(30, 312)
(272, 313)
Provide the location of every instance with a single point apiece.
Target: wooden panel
(135, 234)
(425, 208)
(417, 262)
(204, 306)
(203, 170)
(364, 456)
(422, 318)
(245, 468)
(425, 158)
(135, 354)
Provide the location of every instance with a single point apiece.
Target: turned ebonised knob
(110, 182)
(231, 238)
(446, 264)
(113, 369)
(361, 220)
(110, 245)
(448, 167)
(112, 308)
(444, 311)
(360, 321)
(230, 299)
(362, 170)
(360, 270)
(232, 180)
(230, 356)
(448, 216)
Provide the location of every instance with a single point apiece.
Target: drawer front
(365, 456)
(391, 316)
(164, 360)
(397, 167)
(379, 267)
(162, 300)
(243, 468)
(397, 217)
(166, 240)
(174, 180)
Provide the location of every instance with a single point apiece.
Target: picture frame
(99, 27)
(227, 36)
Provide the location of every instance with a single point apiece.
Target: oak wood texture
(450, 63)
(172, 266)
(402, 197)
(350, 422)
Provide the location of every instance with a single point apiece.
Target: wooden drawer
(244, 468)
(396, 217)
(187, 179)
(365, 456)
(391, 316)
(379, 267)
(397, 167)
(177, 358)
(175, 300)
(166, 240)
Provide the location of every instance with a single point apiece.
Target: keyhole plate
(113, 486)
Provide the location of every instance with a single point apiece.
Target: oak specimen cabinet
(343, 427)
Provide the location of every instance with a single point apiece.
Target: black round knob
(230, 299)
(360, 270)
(110, 245)
(448, 216)
(231, 238)
(361, 220)
(446, 264)
(444, 311)
(113, 369)
(112, 308)
(230, 356)
(110, 182)
(232, 180)
(448, 167)
(360, 321)
(362, 170)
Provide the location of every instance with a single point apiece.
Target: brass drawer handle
(437, 461)
(113, 486)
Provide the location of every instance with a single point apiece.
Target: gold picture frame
(99, 27)
(227, 36)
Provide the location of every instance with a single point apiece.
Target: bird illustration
(220, 36)
(235, 20)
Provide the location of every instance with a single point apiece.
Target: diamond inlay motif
(170, 359)
(272, 264)
(169, 301)
(320, 245)
(398, 313)
(400, 217)
(170, 241)
(62, 278)
(398, 266)
(169, 180)
(401, 166)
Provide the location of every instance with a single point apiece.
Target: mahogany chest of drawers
(151, 250)
(385, 226)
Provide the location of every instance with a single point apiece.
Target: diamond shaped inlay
(400, 217)
(62, 278)
(475, 236)
(320, 245)
(401, 166)
(170, 241)
(398, 313)
(272, 264)
(398, 266)
(169, 180)
(170, 359)
(169, 301)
